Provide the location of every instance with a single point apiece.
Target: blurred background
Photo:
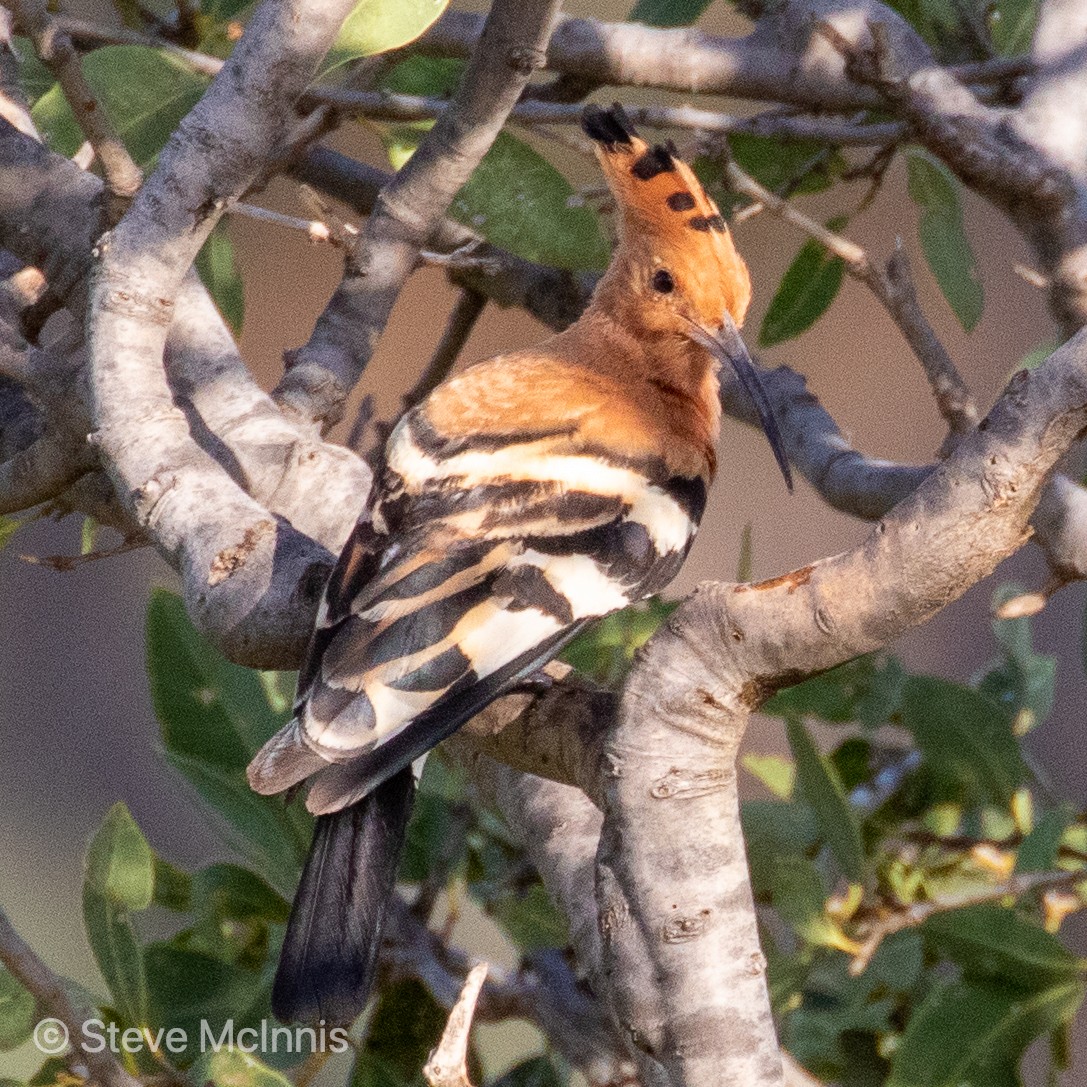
(77, 732)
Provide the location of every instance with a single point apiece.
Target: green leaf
(518, 200)
(823, 790)
(605, 651)
(263, 830)
(173, 886)
(405, 1027)
(967, 1035)
(8, 527)
(214, 715)
(17, 1012)
(805, 293)
(667, 12)
(772, 829)
(188, 989)
(776, 773)
(236, 894)
(835, 1013)
(1023, 681)
(120, 864)
(867, 689)
(1041, 847)
(120, 877)
(793, 166)
(799, 896)
(935, 190)
(234, 1068)
(965, 738)
(432, 836)
(144, 92)
(1011, 24)
(428, 77)
(218, 272)
(279, 688)
(991, 943)
(535, 1072)
(209, 709)
(898, 962)
(531, 919)
(34, 77)
(376, 26)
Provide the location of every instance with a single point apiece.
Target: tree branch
(55, 49)
(691, 62)
(680, 939)
(408, 210)
(894, 288)
(49, 992)
(553, 296)
(250, 580)
(448, 1064)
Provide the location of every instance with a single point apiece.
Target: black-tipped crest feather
(608, 126)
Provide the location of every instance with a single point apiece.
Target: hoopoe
(525, 497)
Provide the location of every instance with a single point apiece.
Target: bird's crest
(667, 214)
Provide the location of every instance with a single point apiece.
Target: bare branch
(689, 61)
(448, 1064)
(914, 916)
(543, 990)
(408, 210)
(845, 478)
(52, 998)
(551, 295)
(895, 290)
(49, 217)
(386, 106)
(681, 945)
(54, 47)
(250, 581)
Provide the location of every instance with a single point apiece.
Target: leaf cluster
(211, 977)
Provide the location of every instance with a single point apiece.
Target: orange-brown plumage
(523, 498)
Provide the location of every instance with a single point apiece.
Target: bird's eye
(662, 281)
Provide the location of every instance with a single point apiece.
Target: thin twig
(52, 998)
(315, 230)
(469, 305)
(388, 106)
(915, 915)
(65, 564)
(894, 288)
(448, 1064)
(55, 49)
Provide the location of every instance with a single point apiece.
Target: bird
(526, 496)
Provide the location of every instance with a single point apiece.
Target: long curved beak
(728, 346)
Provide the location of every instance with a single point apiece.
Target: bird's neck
(668, 375)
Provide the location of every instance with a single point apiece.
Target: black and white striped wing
(481, 567)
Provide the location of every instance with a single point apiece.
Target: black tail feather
(326, 968)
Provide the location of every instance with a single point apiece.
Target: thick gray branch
(680, 941)
(251, 580)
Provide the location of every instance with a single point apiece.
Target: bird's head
(676, 272)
